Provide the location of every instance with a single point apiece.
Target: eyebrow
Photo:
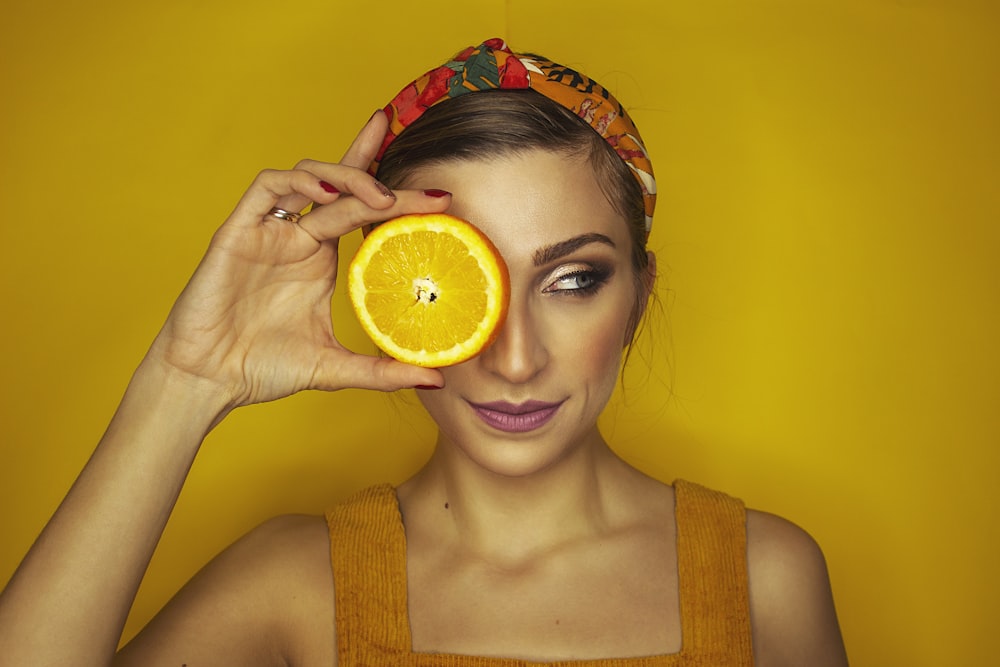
(557, 250)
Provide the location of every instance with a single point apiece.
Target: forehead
(526, 201)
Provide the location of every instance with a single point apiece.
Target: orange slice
(430, 290)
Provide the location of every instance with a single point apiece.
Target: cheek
(440, 403)
(599, 343)
(434, 401)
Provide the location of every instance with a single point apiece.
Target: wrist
(198, 402)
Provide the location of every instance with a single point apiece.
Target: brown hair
(504, 122)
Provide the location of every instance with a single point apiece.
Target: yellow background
(827, 230)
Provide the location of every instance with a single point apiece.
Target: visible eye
(577, 281)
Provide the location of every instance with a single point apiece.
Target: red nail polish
(329, 188)
(434, 192)
(426, 386)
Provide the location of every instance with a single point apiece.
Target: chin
(520, 458)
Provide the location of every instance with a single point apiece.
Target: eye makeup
(577, 279)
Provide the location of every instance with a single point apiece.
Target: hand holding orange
(429, 289)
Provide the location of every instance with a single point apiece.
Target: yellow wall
(827, 230)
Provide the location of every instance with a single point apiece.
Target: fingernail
(384, 190)
(434, 192)
(374, 113)
(426, 386)
(328, 188)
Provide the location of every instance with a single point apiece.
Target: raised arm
(252, 325)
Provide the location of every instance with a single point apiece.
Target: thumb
(365, 372)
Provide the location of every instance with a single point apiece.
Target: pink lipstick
(515, 418)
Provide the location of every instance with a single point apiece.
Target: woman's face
(533, 397)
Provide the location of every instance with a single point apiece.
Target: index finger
(348, 213)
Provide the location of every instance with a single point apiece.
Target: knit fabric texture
(368, 555)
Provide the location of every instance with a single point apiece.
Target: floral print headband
(492, 65)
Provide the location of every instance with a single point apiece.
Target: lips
(515, 417)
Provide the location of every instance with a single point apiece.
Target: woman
(526, 539)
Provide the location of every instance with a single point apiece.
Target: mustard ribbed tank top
(368, 554)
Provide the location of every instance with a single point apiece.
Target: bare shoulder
(265, 600)
(791, 604)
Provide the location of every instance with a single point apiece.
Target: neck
(512, 518)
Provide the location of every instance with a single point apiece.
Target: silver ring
(282, 214)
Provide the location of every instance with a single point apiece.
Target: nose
(519, 352)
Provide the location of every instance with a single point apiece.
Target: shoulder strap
(712, 567)
(368, 555)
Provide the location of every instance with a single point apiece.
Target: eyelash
(598, 278)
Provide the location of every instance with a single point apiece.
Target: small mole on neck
(446, 505)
